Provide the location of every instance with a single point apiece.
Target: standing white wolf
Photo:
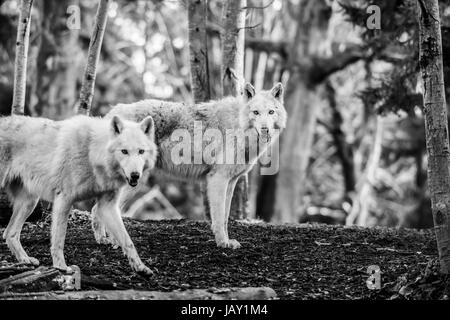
(262, 114)
(68, 161)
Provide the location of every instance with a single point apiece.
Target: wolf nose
(134, 176)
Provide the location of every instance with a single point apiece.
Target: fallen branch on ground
(259, 293)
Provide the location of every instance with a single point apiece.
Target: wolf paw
(29, 260)
(231, 244)
(64, 269)
(234, 244)
(143, 270)
(103, 239)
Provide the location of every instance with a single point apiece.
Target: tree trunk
(58, 62)
(344, 150)
(364, 198)
(95, 45)
(197, 13)
(20, 65)
(301, 102)
(436, 125)
(198, 50)
(233, 43)
(295, 152)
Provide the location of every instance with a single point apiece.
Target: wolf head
(132, 146)
(263, 111)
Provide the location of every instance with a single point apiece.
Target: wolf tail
(5, 162)
(4, 166)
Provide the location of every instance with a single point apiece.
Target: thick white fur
(68, 161)
(229, 113)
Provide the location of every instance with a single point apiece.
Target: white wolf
(68, 161)
(262, 113)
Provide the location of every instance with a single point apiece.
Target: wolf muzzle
(134, 179)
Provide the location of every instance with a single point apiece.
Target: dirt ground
(298, 262)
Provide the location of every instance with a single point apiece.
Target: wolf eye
(255, 113)
(141, 151)
(271, 112)
(124, 151)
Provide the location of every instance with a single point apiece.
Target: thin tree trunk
(436, 125)
(20, 65)
(233, 42)
(344, 150)
(198, 50)
(95, 45)
(362, 201)
(197, 13)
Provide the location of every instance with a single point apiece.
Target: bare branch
(88, 85)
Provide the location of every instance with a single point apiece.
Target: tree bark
(233, 42)
(436, 125)
(95, 45)
(197, 13)
(20, 65)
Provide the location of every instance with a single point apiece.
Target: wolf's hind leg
(109, 214)
(230, 190)
(60, 215)
(100, 230)
(97, 226)
(23, 205)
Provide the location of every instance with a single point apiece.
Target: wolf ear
(116, 125)
(148, 126)
(278, 91)
(248, 91)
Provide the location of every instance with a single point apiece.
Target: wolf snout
(265, 133)
(134, 178)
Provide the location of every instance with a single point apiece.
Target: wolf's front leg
(109, 214)
(217, 186)
(60, 214)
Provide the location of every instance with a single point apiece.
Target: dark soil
(298, 262)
